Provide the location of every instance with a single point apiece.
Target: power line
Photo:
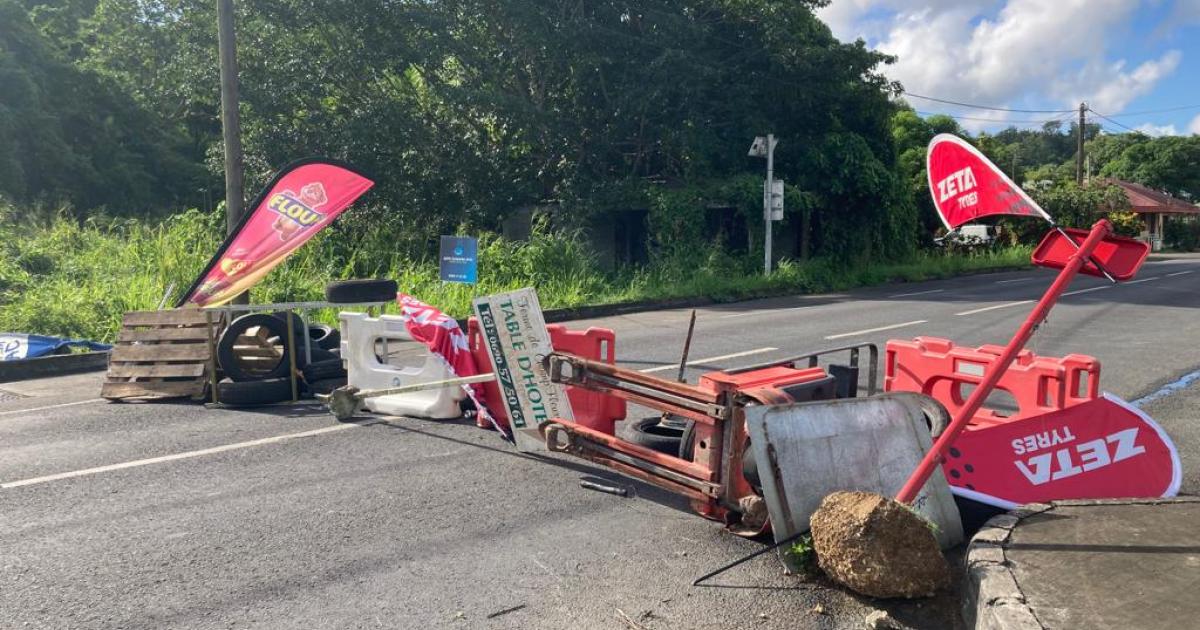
(1156, 111)
(1117, 123)
(997, 109)
(992, 120)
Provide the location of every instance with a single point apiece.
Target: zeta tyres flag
(1100, 449)
(966, 185)
(300, 201)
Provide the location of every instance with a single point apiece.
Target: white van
(970, 235)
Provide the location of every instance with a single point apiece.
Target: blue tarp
(17, 346)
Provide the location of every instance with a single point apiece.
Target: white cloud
(1151, 129)
(1108, 88)
(1007, 52)
(1194, 127)
(848, 19)
(1186, 11)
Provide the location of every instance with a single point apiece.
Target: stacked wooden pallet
(161, 354)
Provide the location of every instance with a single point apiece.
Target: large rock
(877, 547)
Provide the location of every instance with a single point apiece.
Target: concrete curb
(992, 598)
(55, 365)
(557, 315)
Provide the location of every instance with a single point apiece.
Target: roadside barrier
(795, 385)
(361, 337)
(594, 410)
(947, 372)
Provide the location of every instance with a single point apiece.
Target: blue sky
(1123, 57)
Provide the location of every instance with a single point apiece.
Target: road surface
(171, 515)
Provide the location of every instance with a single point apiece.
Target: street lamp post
(764, 146)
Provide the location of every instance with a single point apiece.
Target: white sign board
(517, 341)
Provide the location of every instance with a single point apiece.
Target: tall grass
(61, 277)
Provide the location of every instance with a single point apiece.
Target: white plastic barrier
(360, 335)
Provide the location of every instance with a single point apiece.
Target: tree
(1169, 163)
(67, 135)
(912, 135)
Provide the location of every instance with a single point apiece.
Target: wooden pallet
(161, 354)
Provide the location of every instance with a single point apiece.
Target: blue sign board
(459, 262)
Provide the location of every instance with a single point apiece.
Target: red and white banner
(300, 201)
(446, 340)
(966, 185)
(1102, 448)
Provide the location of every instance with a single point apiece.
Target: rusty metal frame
(813, 360)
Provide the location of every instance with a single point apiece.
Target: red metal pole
(917, 480)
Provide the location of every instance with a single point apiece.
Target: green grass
(60, 277)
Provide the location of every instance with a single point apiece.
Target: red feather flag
(966, 185)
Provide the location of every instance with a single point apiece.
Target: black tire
(687, 442)
(650, 433)
(300, 330)
(226, 357)
(322, 370)
(326, 337)
(357, 291)
(250, 393)
(321, 354)
(325, 386)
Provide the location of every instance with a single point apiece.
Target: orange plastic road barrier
(1038, 384)
(594, 410)
(916, 481)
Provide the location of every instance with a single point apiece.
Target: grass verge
(76, 280)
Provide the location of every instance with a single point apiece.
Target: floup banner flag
(300, 201)
(966, 185)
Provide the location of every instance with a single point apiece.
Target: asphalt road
(174, 516)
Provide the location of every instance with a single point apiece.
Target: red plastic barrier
(594, 410)
(1120, 256)
(1038, 384)
(778, 376)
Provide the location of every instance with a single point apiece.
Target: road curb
(992, 597)
(556, 315)
(55, 365)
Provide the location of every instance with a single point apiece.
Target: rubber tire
(325, 386)
(326, 337)
(323, 370)
(251, 393)
(358, 291)
(225, 356)
(649, 433)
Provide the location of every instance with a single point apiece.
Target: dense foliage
(470, 111)
(467, 111)
(70, 135)
(64, 277)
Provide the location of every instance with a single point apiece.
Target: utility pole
(1079, 144)
(230, 123)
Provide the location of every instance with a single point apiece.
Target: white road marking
(1015, 280)
(1143, 280)
(1086, 290)
(735, 355)
(916, 293)
(992, 308)
(33, 409)
(1180, 273)
(177, 456)
(880, 329)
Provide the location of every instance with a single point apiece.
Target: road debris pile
(877, 547)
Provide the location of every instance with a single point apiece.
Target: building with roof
(1155, 208)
